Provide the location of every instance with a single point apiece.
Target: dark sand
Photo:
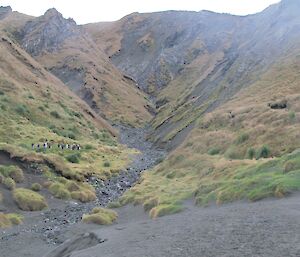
(266, 228)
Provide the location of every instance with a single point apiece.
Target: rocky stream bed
(53, 222)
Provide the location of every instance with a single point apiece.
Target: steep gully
(53, 223)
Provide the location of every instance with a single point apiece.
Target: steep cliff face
(160, 45)
(195, 62)
(5, 11)
(29, 94)
(47, 33)
(69, 53)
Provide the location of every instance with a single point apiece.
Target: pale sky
(93, 11)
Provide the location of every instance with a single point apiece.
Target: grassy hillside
(71, 55)
(194, 62)
(35, 107)
(244, 150)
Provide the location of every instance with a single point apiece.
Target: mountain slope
(36, 106)
(194, 62)
(71, 55)
(231, 116)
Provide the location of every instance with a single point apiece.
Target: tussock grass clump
(100, 216)
(106, 164)
(4, 221)
(13, 172)
(28, 200)
(16, 174)
(58, 190)
(250, 153)
(36, 187)
(84, 195)
(9, 183)
(242, 138)
(74, 158)
(292, 116)
(263, 152)
(291, 165)
(89, 147)
(15, 219)
(164, 209)
(214, 151)
(82, 192)
(149, 204)
(7, 220)
(114, 205)
(233, 153)
(55, 114)
(22, 109)
(72, 186)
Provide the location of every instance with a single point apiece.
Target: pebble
(55, 221)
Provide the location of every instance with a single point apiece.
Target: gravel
(51, 224)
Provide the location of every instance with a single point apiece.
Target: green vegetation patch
(272, 178)
(73, 158)
(165, 209)
(263, 152)
(9, 183)
(242, 138)
(28, 200)
(213, 179)
(36, 187)
(66, 189)
(10, 219)
(58, 190)
(100, 216)
(13, 172)
(214, 151)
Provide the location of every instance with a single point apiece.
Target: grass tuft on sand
(164, 209)
(10, 219)
(9, 183)
(66, 189)
(13, 172)
(28, 200)
(58, 190)
(36, 187)
(100, 216)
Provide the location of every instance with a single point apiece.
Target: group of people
(68, 146)
(47, 145)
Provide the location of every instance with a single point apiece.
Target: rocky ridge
(47, 33)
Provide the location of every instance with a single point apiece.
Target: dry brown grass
(28, 200)
(7, 220)
(246, 122)
(100, 216)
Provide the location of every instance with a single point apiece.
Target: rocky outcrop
(160, 45)
(194, 62)
(47, 32)
(78, 243)
(4, 11)
(69, 53)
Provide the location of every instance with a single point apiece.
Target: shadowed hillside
(71, 55)
(195, 62)
(229, 112)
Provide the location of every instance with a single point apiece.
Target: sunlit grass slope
(36, 106)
